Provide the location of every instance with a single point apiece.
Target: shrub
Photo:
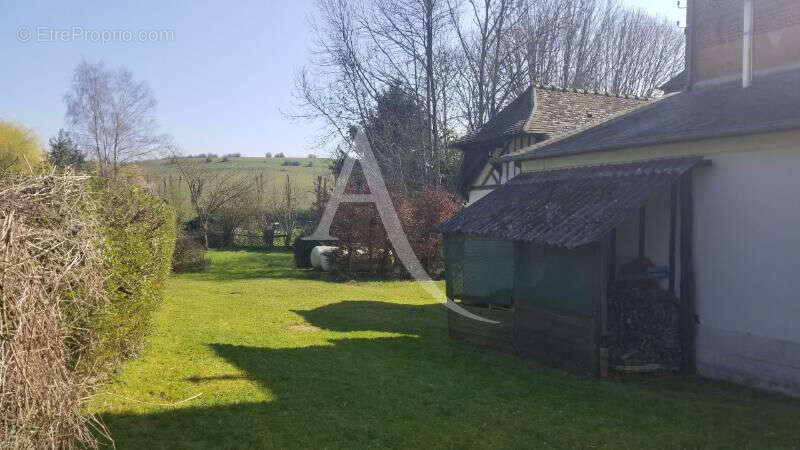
(189, 255)
(139, 239)
(419, 214)
(363, 242)
(280, 155)
(311, 156)
(46, 300)
(70, 315)
(19, 148)
(224, 159)
(290, 162)
(268, 155)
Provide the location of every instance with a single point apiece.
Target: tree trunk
(205, 233)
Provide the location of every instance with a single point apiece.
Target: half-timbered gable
(538, 114)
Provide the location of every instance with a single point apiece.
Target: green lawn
(286, 358)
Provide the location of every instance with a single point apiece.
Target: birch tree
(112, 116)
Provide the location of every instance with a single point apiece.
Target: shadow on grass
(419, 390)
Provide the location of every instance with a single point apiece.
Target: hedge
(139, 234)
(84, 270)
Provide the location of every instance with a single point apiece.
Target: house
(664, 238)
(538, 114)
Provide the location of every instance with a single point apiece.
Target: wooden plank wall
(556, 338)
(498, 336)
(568, 336)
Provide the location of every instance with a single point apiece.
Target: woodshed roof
(567, 207)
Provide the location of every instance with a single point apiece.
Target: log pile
(644, 327)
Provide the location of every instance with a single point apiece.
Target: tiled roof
(771, 104)
(509, 121)
(559, 111)
(567, 207)
(551, 111)
(546, 111)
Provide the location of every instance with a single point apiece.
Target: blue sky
(221, 78)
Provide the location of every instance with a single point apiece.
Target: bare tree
(489, 48)
(600, 45)
(288, 210)
(112, 116)
(211, 190)
(463, 60)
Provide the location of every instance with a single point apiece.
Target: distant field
(160, 171)
(320, 165)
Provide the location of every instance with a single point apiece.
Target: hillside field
(160, 173)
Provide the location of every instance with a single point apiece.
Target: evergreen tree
(64, 152)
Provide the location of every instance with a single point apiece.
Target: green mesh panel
(454, 265)
(561, 279)
(479, 270)
(488, 271)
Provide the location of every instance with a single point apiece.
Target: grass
(283, 358)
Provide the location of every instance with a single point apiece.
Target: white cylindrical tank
(322, 257)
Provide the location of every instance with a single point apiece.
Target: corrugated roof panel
(567, 207)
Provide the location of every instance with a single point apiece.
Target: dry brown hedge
(82, 268)
(51, 282)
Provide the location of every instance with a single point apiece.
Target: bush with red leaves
(364, 245)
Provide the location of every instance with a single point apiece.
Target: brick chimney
(719, 49)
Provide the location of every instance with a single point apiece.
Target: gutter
(793, 125)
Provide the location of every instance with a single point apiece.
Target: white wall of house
(747, 251)
(747, 257)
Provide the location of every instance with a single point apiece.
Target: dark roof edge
(469, 146)
(462, 142)
(698, 159)
(526, 153)
(700, 136)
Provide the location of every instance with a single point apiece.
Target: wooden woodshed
(536, 256)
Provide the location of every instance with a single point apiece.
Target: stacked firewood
(643, 327)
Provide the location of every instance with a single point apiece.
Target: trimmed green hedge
(139, 235)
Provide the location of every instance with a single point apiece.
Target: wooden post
(612, 257)
(601, 320)
(687, 312)
(673, 213)
(642, 236)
